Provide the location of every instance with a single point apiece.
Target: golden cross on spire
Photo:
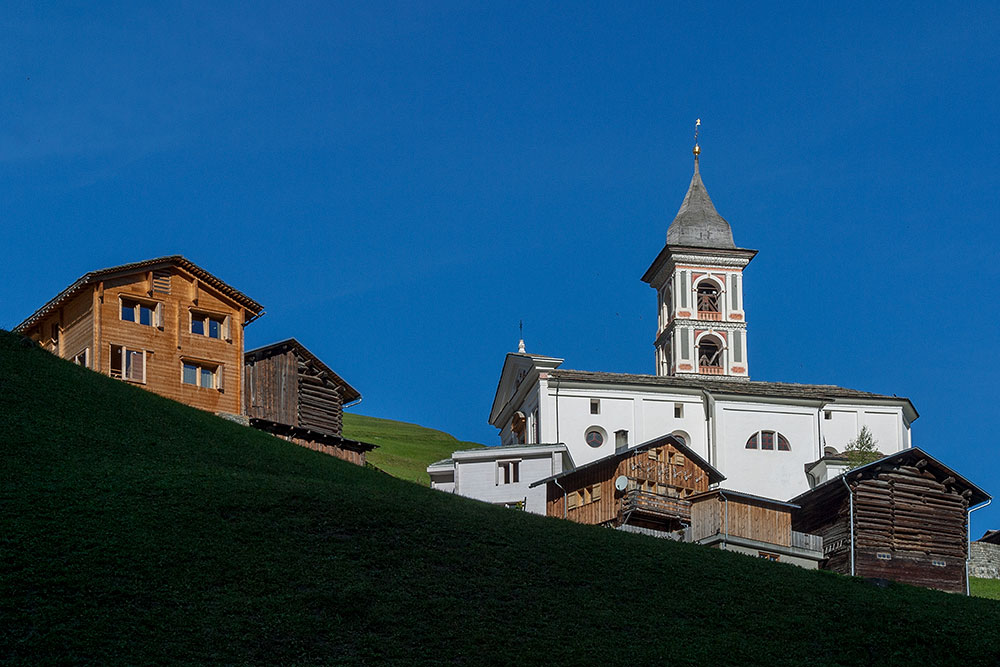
(697, 148)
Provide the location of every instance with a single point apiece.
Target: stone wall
(984, 560)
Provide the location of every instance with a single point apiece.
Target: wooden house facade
(753, 525)
(647, 486)
(164, 324)
(903, 517)
(289, 392)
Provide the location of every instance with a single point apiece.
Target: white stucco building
(768, 438)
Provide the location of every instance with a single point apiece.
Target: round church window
(595, 438)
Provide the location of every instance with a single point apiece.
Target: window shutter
(225, 329)
(220, 373)
(597, 492)
(159, 315)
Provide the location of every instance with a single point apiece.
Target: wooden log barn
(903, 517)
(290, 393)
(654, 483)
(164, 324)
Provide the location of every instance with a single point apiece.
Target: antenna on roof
(520, 343)
(697, 148)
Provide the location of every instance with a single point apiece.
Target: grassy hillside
(405, 450)
(137, 530)
(985, 588)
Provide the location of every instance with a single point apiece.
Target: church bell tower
(698, 278)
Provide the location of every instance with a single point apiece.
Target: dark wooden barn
(903, 517)
(289, 392)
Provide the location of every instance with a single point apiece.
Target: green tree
(862, 449)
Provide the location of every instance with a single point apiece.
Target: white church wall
(658, 419)
(885, 427)
(769, 473)
(842, 427)
(615, 412)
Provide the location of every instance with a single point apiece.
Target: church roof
(697, 223)
(733, 387)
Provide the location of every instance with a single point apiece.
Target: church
(770, 439)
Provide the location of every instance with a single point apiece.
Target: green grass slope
(136, 530)
(985, 588)
(404, 450)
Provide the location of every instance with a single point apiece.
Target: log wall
(281, 386)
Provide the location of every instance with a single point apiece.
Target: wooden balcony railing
(807, 541)
(709, 315)
(656, 505)
(710, 370)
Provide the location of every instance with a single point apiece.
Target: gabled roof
(990, 537)
(818, 392)
(697, 223)
(835, 486)
(714, 476)
(507, 384)
(348, 393)
(255, 309)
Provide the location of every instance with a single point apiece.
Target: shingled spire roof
(698, 224)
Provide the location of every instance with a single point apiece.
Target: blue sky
(399, 185)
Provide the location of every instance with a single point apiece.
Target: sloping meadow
(138, 530)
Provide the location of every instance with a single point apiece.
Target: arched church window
(709, 356)
(708, 301)
(769, 440)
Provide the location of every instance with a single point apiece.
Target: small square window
(678, 410)
(827, 414)
(595, 406)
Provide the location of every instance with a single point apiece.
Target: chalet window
(210, 325)
(199, 374)
(584, 496)
(82, 358)
(128, 364)
(769, 440)
(146, 313)
(508, 472)
(595, 406)
(768, 556)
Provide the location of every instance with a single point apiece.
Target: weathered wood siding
(747, 518)
(350, 455)
(658, 467)
(272, 388)
(909, 526)
(320, 405)
(281, 386)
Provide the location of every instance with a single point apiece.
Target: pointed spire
(697, 223)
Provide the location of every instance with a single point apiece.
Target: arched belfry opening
(708, 301)
(710, 356)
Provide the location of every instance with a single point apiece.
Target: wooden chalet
(903, 517)
(289, 392)
(164, 324)
(753, 525)
(658, 479)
